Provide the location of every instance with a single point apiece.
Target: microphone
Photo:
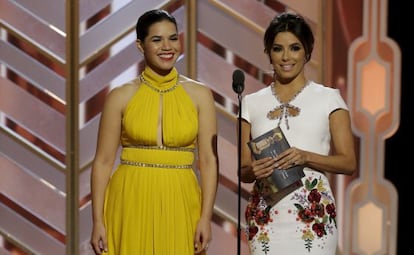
(238, 81)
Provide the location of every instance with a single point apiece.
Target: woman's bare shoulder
(194, 86)
(122, 94)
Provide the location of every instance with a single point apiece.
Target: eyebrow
(160, 36)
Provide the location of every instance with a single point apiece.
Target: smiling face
(288, 57)
(161, 47)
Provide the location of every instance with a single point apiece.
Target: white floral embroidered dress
(303, 222)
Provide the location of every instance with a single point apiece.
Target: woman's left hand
(290, 158)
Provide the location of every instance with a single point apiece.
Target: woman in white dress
(316, 122)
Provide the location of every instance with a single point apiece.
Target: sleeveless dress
(153, 200)
(304, 220)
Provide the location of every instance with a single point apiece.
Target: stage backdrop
(59, 59)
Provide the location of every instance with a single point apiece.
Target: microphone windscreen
(238, 81)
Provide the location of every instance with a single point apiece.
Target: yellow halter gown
(153, 200)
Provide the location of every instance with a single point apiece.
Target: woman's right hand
(98, 239)
(263, 168)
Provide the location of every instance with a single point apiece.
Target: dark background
(398, 156)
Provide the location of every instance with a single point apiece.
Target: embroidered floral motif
(314, 208)
(258, 215)
(264, 240)
(257, 212)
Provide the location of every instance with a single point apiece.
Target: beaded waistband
(141, 164)
(149, 147)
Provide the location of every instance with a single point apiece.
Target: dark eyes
(277, 49)
(295, 47)
(158, 39)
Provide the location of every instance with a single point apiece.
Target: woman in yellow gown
(153, 203)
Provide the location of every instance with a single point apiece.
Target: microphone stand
(238, 87)
(239, 174)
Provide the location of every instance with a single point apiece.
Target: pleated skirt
(152, 204)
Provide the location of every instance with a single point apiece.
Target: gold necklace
(284, 110)
(161, 91)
